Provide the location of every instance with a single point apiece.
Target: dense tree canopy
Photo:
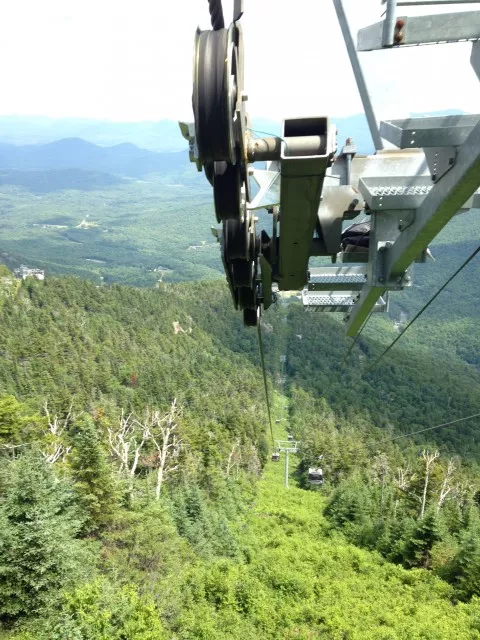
(133, 433)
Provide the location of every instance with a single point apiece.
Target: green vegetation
(417, 507)
(430, 377)
(136, 500)
(130, 231)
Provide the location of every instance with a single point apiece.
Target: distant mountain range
(74, 153)
(77, 163)
(161, 136)
(46, 181)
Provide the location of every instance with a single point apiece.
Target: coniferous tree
(39, 552)
(93, 475)
(466, 564)
(419, 544)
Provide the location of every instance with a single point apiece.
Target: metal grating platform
(338, 278)
(400, 191)
(335, 301)
(395, 193)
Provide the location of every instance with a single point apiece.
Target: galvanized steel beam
(427, 3)
(300, 190)
(444, 200)
(362, 309)
(389, 23)
(358, 73)
(446, 27)
(475, 58)
(438, 131)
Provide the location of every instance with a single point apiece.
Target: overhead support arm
(426, 3)
(416, 30)
(443, 201)
(238, 9)
(475, 58)
(358, 73)
(389, 23)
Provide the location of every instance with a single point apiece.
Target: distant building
(25, 272)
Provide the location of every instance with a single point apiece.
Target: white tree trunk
(429, 459)
(161, 464)
(446, 486)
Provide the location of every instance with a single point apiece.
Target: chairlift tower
(287, 447)
(407, 194)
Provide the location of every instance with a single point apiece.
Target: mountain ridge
(162, 135)
(76, 153)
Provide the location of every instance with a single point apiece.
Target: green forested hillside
(132, 232)
(133, 433)
(451, 323)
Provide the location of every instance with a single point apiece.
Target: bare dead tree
(429, 459)
(162, 432)
(56, 449)
(463, 493)
(127, 441)
(381, 471)
(234, 458)
(446, 487)
(402, 479)
(254, 466)
(13, 448)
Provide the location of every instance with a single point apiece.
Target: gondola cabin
(276, 456)
(315, 475)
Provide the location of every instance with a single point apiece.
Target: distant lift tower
(287, 447)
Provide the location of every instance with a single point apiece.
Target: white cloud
(132, 60)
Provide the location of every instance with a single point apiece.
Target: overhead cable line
(260, 345)
(216, 14)
(424, 308)
(413, 433)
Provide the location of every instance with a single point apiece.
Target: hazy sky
(132, 60)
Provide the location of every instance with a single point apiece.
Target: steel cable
(424, 308)
(262, 358)
(412, 433)
(216, 14)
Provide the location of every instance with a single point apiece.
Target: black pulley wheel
(236, 240)
(227, 182)
(250, 317)
(211, 100)
(242, 273)
(209, 169)
(247, 298)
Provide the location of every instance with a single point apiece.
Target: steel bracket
(384, 231)
(440, 160)
(188, 132)
(300, 191)
(406, 220)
